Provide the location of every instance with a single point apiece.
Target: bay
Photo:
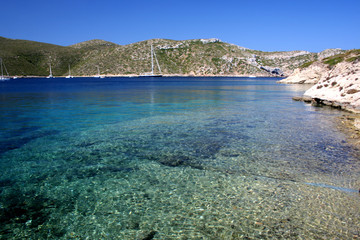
(172, 158)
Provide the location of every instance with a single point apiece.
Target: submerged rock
(146, 235)
(173, 160)
(19, 141)
(303, 98)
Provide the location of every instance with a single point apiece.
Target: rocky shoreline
(348, 123)
(336, 83)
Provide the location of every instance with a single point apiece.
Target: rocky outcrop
(309, 75)
(210, 40)
(273, 71)
(93, 43)
(329, 52)
(336, 79)
(312, 71)
(339, 87)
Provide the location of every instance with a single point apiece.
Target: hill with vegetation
(197, 57)
(29, 58)
(313, 71)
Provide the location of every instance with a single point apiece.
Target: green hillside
(189, 57)
(24, 57)
(349, 56)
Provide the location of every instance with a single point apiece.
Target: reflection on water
(176, 158)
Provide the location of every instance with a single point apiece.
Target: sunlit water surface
(172, 158)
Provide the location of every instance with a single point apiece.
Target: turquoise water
(172, 158)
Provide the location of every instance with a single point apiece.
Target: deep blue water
(175, 157)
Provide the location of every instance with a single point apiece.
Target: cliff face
(339, 87)
(309, 75)
(311, 72)
(336, 79)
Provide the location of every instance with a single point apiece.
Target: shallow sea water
(172, 158)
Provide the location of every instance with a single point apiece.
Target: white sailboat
(151, 74)
(98, 75)
(69, 76)
(2, 77)
(50, 75)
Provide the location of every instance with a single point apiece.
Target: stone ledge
(322, 102)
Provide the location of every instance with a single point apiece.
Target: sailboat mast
(2, 71)
(69, 70)
(50, 71)
(157, 62)
(152, 61)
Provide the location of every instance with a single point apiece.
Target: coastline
(164, 75)
(349, 124)
(335, 86)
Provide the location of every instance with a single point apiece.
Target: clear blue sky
(312, 25)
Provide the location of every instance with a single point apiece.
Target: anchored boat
(69, 76)
(151, 74)
(2, 77)
(50, 75)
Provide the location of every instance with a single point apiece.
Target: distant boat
(252, 76)
(50, 75)
(2, 77)
(98, 75)
(151, 74)
(69, 76)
